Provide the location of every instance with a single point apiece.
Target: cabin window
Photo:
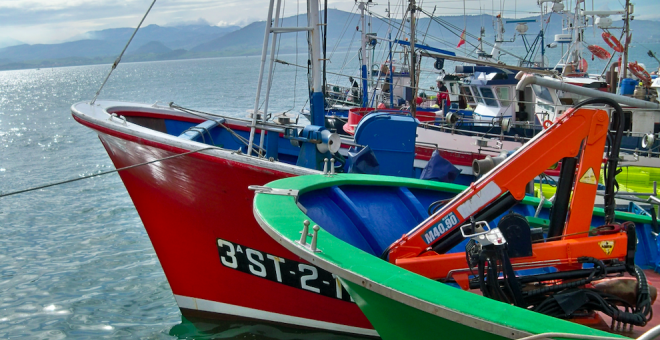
(542, 93)
(453, 88)
(477, 96)
(503, 95)
(488, 96)
(467, 94)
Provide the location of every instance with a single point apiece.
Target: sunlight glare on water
(75, 260)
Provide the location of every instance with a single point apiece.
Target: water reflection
(200, 328)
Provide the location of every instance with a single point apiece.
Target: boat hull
(378, 309)
(219, 263)
(398, 302)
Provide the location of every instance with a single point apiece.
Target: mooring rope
(104, 173)
(114, 65)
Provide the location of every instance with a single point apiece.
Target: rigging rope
(105, 173)
(114, 65)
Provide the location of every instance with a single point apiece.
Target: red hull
(191, 204)
(197, 210)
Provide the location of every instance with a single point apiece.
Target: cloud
(198, 22)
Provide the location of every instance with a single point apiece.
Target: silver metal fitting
(314, 238)
(304, 233)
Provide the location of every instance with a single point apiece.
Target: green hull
(401, 304)
(409, 323)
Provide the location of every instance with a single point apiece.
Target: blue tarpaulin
(439, 169)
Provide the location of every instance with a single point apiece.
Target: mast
(413, 60)
(317, 102)
(626, 34)
(325, 42)
(390, 76)
(264, 48)
(269, 81)
(365, 93)
(499, 37)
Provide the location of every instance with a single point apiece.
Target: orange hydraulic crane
(578, 139)
(578, 132)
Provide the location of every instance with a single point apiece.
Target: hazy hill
(442, 33)
(201, 40)
(109, 43)
(155, 47)
(173, 37)
(80, 48)
(5, 42)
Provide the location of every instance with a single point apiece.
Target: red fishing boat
(188, 173)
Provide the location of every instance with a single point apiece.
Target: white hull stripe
(224, 308)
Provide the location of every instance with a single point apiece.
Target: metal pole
(624, 62)
(365, 92)
(264, 48)
(528, 79)
(317, 102)
(270, 72)
(391, 73)
(413, 60)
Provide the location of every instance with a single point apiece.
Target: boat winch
(316, 144)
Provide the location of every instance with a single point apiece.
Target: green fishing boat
(490, 262)
(399, 303)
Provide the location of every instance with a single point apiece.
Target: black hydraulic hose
(654, 217)
(559, 208)
(613, 157)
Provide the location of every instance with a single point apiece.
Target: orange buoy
(612, 42)
(639, 72)
(547, 123)
(599, 52)
(583, 65)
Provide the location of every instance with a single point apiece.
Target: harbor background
(75, 260)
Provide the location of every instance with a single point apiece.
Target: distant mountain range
(155, 42)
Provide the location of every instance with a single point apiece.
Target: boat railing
(651, 197)
(453, 129)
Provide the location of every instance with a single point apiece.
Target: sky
(55, 21)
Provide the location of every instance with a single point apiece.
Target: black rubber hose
(559, 209)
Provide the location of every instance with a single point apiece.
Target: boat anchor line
(292, 273)
(105, 173)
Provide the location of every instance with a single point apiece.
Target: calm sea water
(75, 260)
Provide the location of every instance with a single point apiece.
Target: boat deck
(605, 321)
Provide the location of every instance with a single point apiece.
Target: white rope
(114, 65)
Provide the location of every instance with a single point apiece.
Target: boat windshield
(467, 94)
(503, 95)
(477, 96)
(488, 96)
(542, 93)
